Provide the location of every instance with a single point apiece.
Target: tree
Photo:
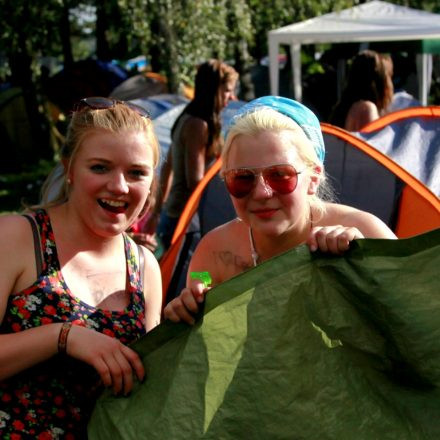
(178, 35)
(175, 35)
(27, 30)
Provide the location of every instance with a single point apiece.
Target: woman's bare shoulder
(223, 234)
(194, 123)
(360, 114)
(17, 255)
(14, 227)
(151, 262)
(16, 237)
(222, 251)
(195, 131)
(152, 288)
(370, 225)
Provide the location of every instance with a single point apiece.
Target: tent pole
(424, 73)
(295, 55)
(274, 69)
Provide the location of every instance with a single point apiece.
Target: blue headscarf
(303, 116)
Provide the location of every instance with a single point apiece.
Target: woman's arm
(23, 349)
(184, 306)
(113, 361)
(152, 290)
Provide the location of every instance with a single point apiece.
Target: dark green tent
(304, 346)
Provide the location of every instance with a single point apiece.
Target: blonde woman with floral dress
(75, 290)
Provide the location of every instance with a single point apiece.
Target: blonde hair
(117, 119)
(267, 119)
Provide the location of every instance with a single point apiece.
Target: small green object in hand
(204, 277)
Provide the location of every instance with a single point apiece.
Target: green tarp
(304, 346)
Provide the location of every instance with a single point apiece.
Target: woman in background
(196, 142)
(368, 93)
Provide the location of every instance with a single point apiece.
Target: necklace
(254, 253)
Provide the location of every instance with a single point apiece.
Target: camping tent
(411, 137)
(370, 22)
(142, 85)
(303, 346)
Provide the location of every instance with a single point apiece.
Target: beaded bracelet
(62, 337)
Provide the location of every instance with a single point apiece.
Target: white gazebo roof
(369, 22)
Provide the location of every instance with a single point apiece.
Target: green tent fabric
(304, 346)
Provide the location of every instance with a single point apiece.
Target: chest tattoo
(229, 259)
(107, 286)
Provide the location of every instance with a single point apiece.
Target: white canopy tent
(370, 22)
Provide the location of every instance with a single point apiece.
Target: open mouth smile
(115, 206)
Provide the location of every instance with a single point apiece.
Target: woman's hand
(187, 303)
(334, 239)
(114, 361)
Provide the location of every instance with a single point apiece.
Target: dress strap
(135, 261)
(48, 246)
(141, 266)
(37, 244)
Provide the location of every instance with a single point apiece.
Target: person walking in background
(403, 74)
(368, 93)
(196, 142)
(75, 290)
(273, 169)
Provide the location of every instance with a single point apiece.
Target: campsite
(316, 77)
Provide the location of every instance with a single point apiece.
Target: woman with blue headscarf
(273, 169)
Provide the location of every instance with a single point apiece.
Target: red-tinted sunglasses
(102, 103)
(281, 178)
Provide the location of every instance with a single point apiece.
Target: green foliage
(188, 30)
(23, 188)
(272, 14)
(185, 33)
(30, 25)
(175, 35)
(137, 14)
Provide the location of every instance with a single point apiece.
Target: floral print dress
(54, 399)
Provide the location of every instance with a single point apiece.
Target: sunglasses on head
(281, 178)
(102, 103)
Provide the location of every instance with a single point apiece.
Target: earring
(69, 181)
